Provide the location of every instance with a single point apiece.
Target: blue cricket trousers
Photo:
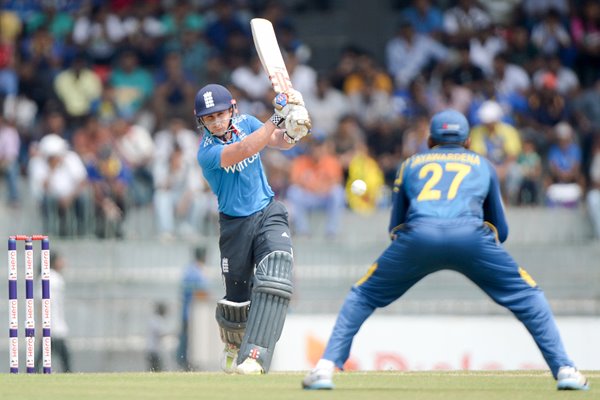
(422, 249)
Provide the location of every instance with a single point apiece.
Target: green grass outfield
(481, 385)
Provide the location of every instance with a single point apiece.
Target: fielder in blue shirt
(255, 240)
(447, 214)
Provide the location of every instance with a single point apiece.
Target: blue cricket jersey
(448, 184)
(241, 189)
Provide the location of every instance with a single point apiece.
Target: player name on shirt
(469, 158)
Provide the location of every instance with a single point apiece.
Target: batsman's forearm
(278, 142)
(254, 143)
(251, 145)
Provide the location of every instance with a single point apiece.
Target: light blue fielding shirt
(241, 189)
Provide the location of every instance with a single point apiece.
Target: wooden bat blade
(269, 53)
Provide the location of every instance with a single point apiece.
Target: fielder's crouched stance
(255, 240)
(447, 213)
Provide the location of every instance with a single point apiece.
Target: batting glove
(297, 124)
(283, 102)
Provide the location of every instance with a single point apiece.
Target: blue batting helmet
(449, 126)
(212, 98)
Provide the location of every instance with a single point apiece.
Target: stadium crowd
(97, 100)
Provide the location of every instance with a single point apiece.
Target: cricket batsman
(255, 241)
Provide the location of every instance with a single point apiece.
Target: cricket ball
(358, 187)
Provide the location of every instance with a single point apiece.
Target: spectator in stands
(144, 32)
(289, 39)
(413, 100)
(585, 109)
(227, 21)
(346, 138)
(9, 79)
(529, 170)
(521, 51)
(194, 50)
(464, 21)
(41, 60)
(58, 20)
(465, 72)
(549, 35)
(175, 134)
(88, 139)
(9, 159)
(533, 11)
(303, 76)
(282, 18)
(10, 26)
(513, 105)
(327, 106)
(371, 104)
(346, 64)
(509, 78)
(415, 137)
(174, 89)
(565, 181)
(215, 69)
(54, 122)
(180, 18)
(367, 73)
(451, 95)
(585, 29)
(546, 108)
(133, 85)
(77, 87)
(500, 143)
(106, 108)
(384, 142)
(316, 183)
(110, 178)
(408, 54)
(251, 79)
(426, 18)
(58, 181)
(567, 82)
(98, 32)
(366, 168)
(502, 13)
(135, 147)
(485, 47)
(593, 195)
(180, 197)
(277, 167)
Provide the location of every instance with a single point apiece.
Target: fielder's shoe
(250, 367)
(320, 377)
(228, 362)
(569, 378)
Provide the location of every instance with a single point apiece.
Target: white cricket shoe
(569, 378)
(250, 367)
(320, 377)
(229, 358)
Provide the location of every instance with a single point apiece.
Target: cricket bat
(269, 53)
